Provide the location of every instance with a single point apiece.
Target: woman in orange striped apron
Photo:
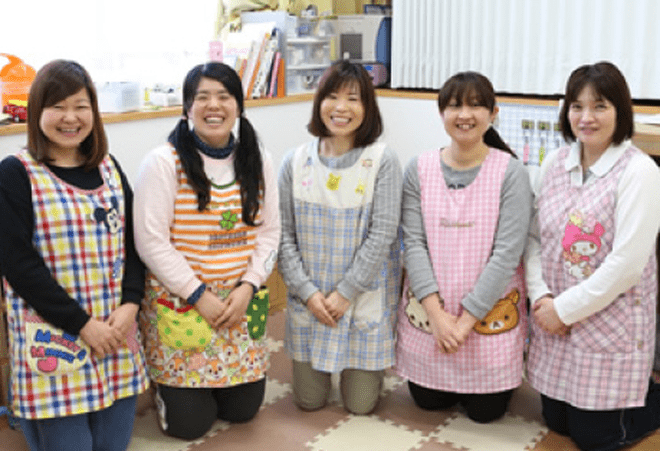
(207, 227)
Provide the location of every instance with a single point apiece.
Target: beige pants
(360, 389)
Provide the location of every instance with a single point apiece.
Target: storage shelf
(309, 66)
(318, 40)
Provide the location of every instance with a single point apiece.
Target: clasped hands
(449, 331)
(546, 316)
(106, 337)
(328, 309)
(227, 313)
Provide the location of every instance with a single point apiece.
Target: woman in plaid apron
(591, 270)
(207, 227)
(340, 203)
(75, 280)
(466, 209)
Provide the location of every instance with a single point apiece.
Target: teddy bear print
(416, 313)
(502, 318)
(579, 246)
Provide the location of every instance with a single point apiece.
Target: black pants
(482, 408)
(603, 430)
(189, 413)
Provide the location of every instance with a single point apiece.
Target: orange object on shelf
(15, 79)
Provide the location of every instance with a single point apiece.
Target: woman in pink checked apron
(465, 214)
(593, 332)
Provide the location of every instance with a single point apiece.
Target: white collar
(602, 165)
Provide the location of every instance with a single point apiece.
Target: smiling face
(467, 120)
(213, 112)
(593, 120)
(342, 111)
(67, 123)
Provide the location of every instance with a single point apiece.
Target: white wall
(411, 126)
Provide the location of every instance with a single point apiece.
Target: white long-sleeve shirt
(637, 224)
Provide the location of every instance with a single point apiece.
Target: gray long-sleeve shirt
(508, 245)
(382, 229)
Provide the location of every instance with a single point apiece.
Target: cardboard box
(647, 138)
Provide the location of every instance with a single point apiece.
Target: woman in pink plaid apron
(591, 270)
(75, 280)
(466, 210)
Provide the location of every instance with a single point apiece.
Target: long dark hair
(248, 164)
(468, 86)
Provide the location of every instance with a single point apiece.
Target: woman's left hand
(336, 304)
(546, 316)
(465, 324)
(237, 303)
(123, 318)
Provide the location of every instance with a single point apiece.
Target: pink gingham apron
(605, 361)
(460, 227)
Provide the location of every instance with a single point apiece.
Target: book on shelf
(255, 53)
(281, 78)
(265, 64)
(272, 78)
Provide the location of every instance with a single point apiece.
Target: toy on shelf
(15, 79)
(17, 110)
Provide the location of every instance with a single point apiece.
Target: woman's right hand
(101, 337)
(443, 325)
(316, 305)
(211, 307)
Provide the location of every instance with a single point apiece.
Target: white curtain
(147, 41)
(525, 46)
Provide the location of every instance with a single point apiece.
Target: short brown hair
(344, 73)
(607, 82)
(53, 83)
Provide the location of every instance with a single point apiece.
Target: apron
(333, 208)
(80, 236)
(605, 361)
(460, 226)
(182, 349)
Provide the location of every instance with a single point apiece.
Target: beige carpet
(396, 424)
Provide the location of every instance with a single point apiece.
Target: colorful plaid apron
(80, 236)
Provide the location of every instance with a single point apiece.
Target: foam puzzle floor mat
(396, 424)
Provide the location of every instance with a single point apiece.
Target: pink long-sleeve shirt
(155, 192)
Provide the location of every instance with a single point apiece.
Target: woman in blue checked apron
(75, 280)
(340, 198)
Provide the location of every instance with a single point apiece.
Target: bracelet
(193, 298)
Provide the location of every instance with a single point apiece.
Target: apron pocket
(52, 352)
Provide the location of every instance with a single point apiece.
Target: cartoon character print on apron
(333, 210)
(182, 349)
(76, 232)
(460, 226)
(597, 365)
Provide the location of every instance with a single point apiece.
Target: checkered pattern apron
(332, 210)
(80, 236)
(605, 361)
(182, 349)
(460, 226)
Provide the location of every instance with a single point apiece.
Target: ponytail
(493, 139)
(182, 140)
(248, 167)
